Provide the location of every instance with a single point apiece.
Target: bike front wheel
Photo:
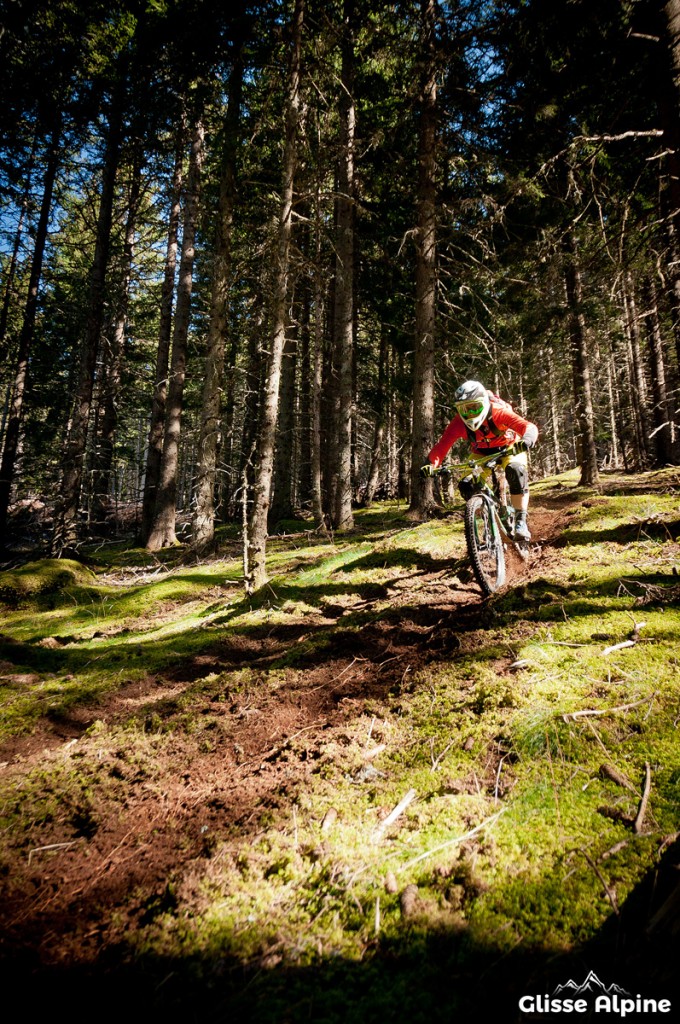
(484, 544)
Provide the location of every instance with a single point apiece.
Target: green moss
(509, 791)
(45, 582)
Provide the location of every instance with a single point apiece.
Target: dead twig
(597, 736)
(452, 842)
(273, 752)
(498, 779)
(560, 643)
(608, 771)
(613, 849)
(51, 846)
(639, 820)
(611, 895)
(436, 761)
(379, 831)
(618, 647)
(571, 716)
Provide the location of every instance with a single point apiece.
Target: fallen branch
(639, 821)
(608, 771)
(452, 842)
(571, 716)
(498, 779)
(611, 895)
(560, 643)
(379, 831)
(273, 752)
(436, 761)
(614, 849)
(51, 846)
(618, 647)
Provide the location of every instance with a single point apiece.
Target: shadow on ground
(433, 977)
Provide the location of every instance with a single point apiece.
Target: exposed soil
(62, 889)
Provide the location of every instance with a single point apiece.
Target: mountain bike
(489, 520)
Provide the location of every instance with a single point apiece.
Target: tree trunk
(343, 327)
(163, 533)
(26, 336)
(317, 369)
(204, 514)
(422, 499)
(662, 413)
(281, 504)
(583, 402)
(254, 387)
(154, 453)
(304, 475)
(114, 345)
(380, 424)
(11, 270)
(634, 431)
(66, 515)
(639, 382)
(255, 539)
(669, 108)
(554, 417)
(612, 402)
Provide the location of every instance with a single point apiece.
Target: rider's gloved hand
(529, 437)
(428, 469)
(521, 446)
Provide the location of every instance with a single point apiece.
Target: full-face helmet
(472, 403)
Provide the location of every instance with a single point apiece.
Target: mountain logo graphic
(591, 984)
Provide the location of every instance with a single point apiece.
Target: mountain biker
(490, 423)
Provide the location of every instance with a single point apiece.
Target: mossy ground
(216, 770)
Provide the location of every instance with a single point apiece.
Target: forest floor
(195, 789)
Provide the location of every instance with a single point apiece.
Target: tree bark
(281, 504)
(163, 533)
(343, 325)
(669, 106)
(638, 380)
(114, 353)
(612, 400)
(380, 424)
(255, 538)
(304, 474)
(316, 471)
(583, 401)
(154, 453)
(66, 515)
(26, 336)
(204, 513)
(422, 499)
(554, 417)
(9, 293)
(661, 412)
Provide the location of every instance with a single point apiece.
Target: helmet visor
(470, 410)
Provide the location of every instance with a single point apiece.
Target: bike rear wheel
(485, 546)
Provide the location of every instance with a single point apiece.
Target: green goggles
(469, 410)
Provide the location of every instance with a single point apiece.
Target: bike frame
(483, 470)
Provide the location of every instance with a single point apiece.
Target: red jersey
(500, 429)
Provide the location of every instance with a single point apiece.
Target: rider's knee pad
(518, 478)
(466, 486)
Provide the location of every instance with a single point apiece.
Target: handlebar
(486, 461)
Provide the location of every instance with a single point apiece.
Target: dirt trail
(165, 820)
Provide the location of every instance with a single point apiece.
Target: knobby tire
(484, 543)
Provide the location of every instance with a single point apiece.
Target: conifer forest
(266, 752)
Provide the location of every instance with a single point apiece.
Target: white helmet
(473, 404)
